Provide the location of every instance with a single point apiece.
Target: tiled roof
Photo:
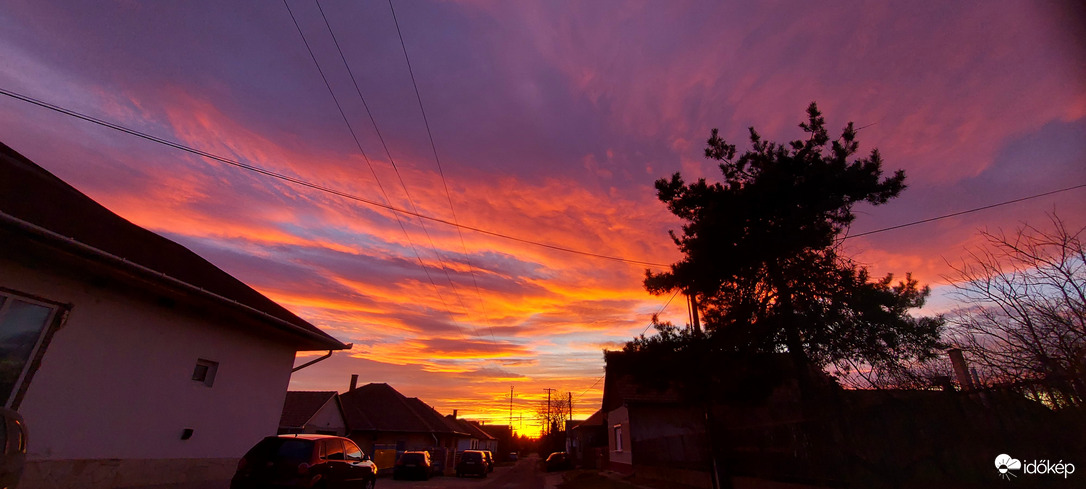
(34, 203)
(470, 427)
(301, 406)
(379, 407)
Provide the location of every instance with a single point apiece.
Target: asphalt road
(526, 474)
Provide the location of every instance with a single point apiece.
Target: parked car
(513, 456)
(303, 461)
(12, 447)
(558, 461)
(472, 462)
(413, 465)
(489, 460)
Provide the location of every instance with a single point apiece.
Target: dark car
(558, 461)
(305, 461)
(12, 447)
(413, 465)
(472, 462)
(489, 460)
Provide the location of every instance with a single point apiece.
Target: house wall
(621, 460)
(327, 420)
(468, 444)
(114, 388)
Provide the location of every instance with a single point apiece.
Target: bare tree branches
(1024, 308)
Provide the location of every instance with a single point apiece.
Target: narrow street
(527, 473)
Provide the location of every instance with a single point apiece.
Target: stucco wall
(329, 418)
(620, 416)
(115, 382)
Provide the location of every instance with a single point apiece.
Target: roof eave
(317, 341)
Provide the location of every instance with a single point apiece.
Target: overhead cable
(437, 159)
(311, 185)
(392, 161)
(358, 143)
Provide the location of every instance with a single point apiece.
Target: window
(24, 323)
(618, 438)
(354, 454)
(205, 371)
(333, 450)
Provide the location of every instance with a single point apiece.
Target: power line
(311, 185)
(400, 177)
(345, 195)
(437, 159)
(358, 143)
(392, 161)
(969, 211)
(642, 332)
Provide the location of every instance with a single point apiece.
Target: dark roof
(472, 428)
(34, 202)
(379, 407)
(498, 431)
(301, 406)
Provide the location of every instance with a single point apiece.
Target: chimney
(454, 414)
(961, 370)
(354, 382)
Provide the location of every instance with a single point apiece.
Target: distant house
(476, 438)
(133, 360)
(656, 409)
(382, 421)
(503, 439)
(313, 412)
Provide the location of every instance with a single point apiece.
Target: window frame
(348, 445)
(326, 453)
(617, 430)
(211, 368)
(58, 314)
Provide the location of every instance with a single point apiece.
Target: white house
(475, 438)
(132, 360)
(318, 412)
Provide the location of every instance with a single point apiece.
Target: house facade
(384, 422)
(132, 360)
(313, 412)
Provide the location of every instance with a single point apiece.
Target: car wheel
(369, 484)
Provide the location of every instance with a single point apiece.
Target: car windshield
(412, 458)
(472, 456)
(554, 457)
(286, 450)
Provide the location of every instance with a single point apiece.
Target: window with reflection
(23, 324)
(354, 454)
(333, 449)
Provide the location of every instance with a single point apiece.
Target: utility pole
(510, 409)
(547, 428)
(570, 394)
(692, 304)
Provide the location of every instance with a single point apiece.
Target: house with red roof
(132, 360)
(383, 421)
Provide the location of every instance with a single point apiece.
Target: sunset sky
(551, 120)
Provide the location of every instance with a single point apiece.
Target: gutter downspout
(311, 362)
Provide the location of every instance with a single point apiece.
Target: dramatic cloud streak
(551, 120)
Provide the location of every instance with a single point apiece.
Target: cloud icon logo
(1005, 463)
